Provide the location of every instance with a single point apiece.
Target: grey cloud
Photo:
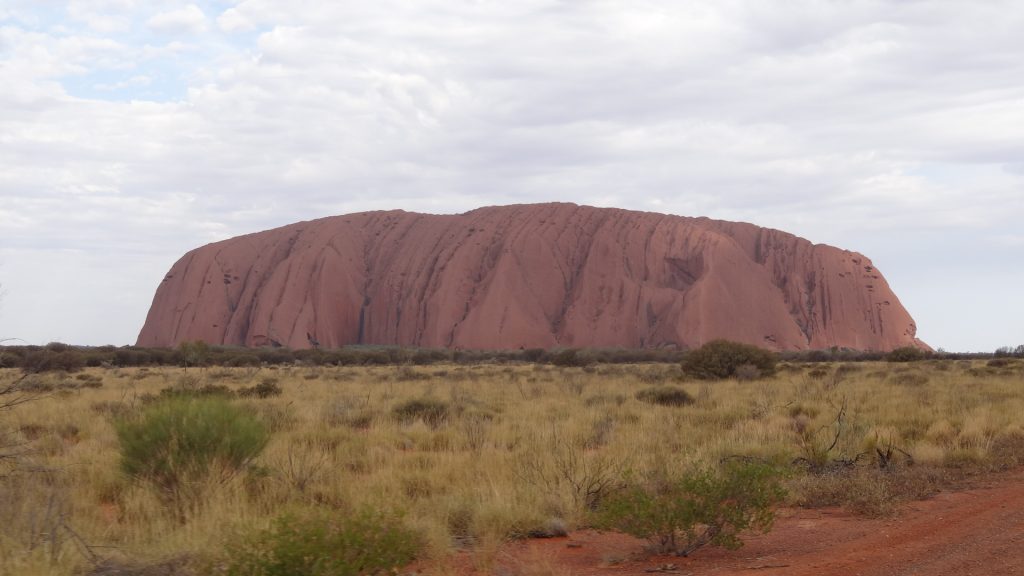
(882, 126)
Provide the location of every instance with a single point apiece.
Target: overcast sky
(134, 130)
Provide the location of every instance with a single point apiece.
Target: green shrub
(906, 354)
(50, 360)
(267, 388)
(570, 357)
(242, 360)
(665, 396)
(193, 353)
(433, 412)
(325, 544)
(700, 508)
(180, 440)
(721, 359)
(746, 372)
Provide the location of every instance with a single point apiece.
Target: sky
(132, 131)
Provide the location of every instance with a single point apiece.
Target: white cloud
(187, 20)
(102, 16)
(233, 20)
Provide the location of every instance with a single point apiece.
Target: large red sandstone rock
(542, 275)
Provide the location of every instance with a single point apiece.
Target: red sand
(974, 532)
(542, 275)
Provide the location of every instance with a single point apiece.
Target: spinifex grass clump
(432, 412)
(325, 544)
(182, 440)
(665, 396)
(710, 506)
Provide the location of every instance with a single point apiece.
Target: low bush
(720, 359)
(665, 396)
(657, 374)
(432, 412)
(410, 374)
(700, 508)
(345, 412)
(53, 360)
(570, 357)
(869, 492)
(906, 354)
(910, 379)
(747, 372)
(277, 417)
(180, 440)
(1010, 351)
(325, 544)
(242, 360)
(90, 380)
(818, 372)
(40, 384)
(533, 355)
(198, 391)
(267, 388)
(1007, 451)
(193, 353)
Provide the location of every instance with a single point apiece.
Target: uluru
(526, 276)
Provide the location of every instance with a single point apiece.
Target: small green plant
(703, 507)
(665, 396)
(433, 412)
(325, 544)
(181, 440)
(720, 359)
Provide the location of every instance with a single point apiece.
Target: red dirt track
(979, 531)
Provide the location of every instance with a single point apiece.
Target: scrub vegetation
(257, 467)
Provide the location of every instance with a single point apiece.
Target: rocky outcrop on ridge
(533, 276)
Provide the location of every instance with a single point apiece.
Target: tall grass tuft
(325, 544)
(184, 440)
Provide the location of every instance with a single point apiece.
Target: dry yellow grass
(523, 447)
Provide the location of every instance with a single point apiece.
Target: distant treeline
(59, 356)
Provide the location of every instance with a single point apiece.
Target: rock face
(540, 275)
